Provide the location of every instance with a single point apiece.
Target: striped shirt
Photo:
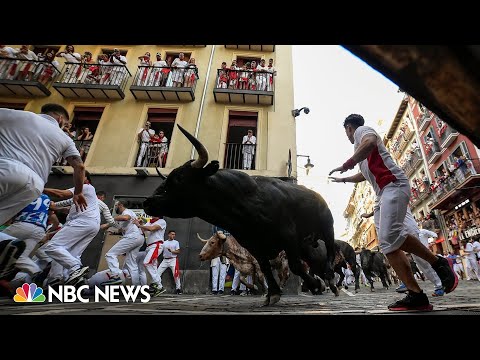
(378, 168)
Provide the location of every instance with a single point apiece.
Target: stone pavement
(464, 300)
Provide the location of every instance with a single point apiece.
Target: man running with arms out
(29, 145)
(393, 191)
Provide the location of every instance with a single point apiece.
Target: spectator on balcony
(262, 76)
(233, 75)
(243, 77)
(85, 141)
(118, 71)
(271, 73)
(67, 130)
(105, 71)
(25, 69)
(70, 56)
(5, 52)
(50, 68)
(425, 181)
(144, 69)
(252, 82)
(429, 144)
(179, 64)
(86, 68)
(191, 74)
(223, 77)
(159, 72)
(248, 149)
(162, 155)
(144, 135)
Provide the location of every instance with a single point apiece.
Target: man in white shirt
(248, 149)
(119, 71)
(29, 145)
(74, 58)
(154, 248)
(171, 248)
(393, 191)
(178, 66)
(67, 246)
(156, 77)
(144, 135)
(6, 52)
(129, 244)
(470, 259)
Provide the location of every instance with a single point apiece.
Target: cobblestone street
(465, 300)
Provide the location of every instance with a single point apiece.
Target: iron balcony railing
(252, 80)
(412, 163)
(83, 147)
(152, 154)
(94, 74)
(445, 131)
(449, 183)
(166, 76)
(240, 156)
(43, 72)
(431, 149)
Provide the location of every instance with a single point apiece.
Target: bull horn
(163, 177)
(202, 151)
(221, 235)
(201, 238)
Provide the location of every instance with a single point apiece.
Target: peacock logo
(29, 293)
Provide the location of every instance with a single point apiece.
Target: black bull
(266, 215)
(375, 263)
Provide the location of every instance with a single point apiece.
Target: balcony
(244, 87)
(239, 156)
(447, 135)
(92, 81)
(424, 120)
(419, 195)
(266, 48)
(411, 164)
(454, 189)
(432, 152)
(83, 147)
(152, 154)
(26, 78)
(164, 83)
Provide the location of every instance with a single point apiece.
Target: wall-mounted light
(308, 166)
(297, 112)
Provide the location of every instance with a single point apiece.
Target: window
(43, 49)
(85, 122)
(244, 59)
(154, 152)
(109, 52)
(238, 156)
(14, 106)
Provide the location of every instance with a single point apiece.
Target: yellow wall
(115, 145)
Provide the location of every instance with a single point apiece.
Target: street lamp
(308, 165)
(297, 112)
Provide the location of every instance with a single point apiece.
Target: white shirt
(157, 235)
(170, 244)
(130, 229)
(102, 207)
(425, 234)
(7, 52)
(246, 148)
(71, 57)
(34, 140)
(179, 63)
(146, 134)
(476, 247)
(378, 168)
(161, 63)
(470, 254)
(91, 213)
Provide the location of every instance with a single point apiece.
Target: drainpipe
(200, 111)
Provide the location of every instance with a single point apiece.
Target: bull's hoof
(266, 302)
(357, 290)
(372, 289)
(275, 298)
(346, 287)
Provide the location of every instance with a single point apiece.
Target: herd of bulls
(267, 216)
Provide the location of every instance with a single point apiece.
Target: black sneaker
(413, 301)
(214, 292)
(444, 269)
(233, 292)
(220, 292)
(76, 275)
(178, 292)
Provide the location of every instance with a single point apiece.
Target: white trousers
(236, 281)
(219, 270)
(390, 216)
(247, 160)
(169, 263)
(31, 234)
(19, 186)
(102, 276)
(423, 265)
(141, 154)
(472, 269)
(458, 268)
(67, 246)
(129, 246)
(150, 262)
(142, 275)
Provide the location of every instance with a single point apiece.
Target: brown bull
(221, 245)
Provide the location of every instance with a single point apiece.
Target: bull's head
(213, 246)
(177, 194)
